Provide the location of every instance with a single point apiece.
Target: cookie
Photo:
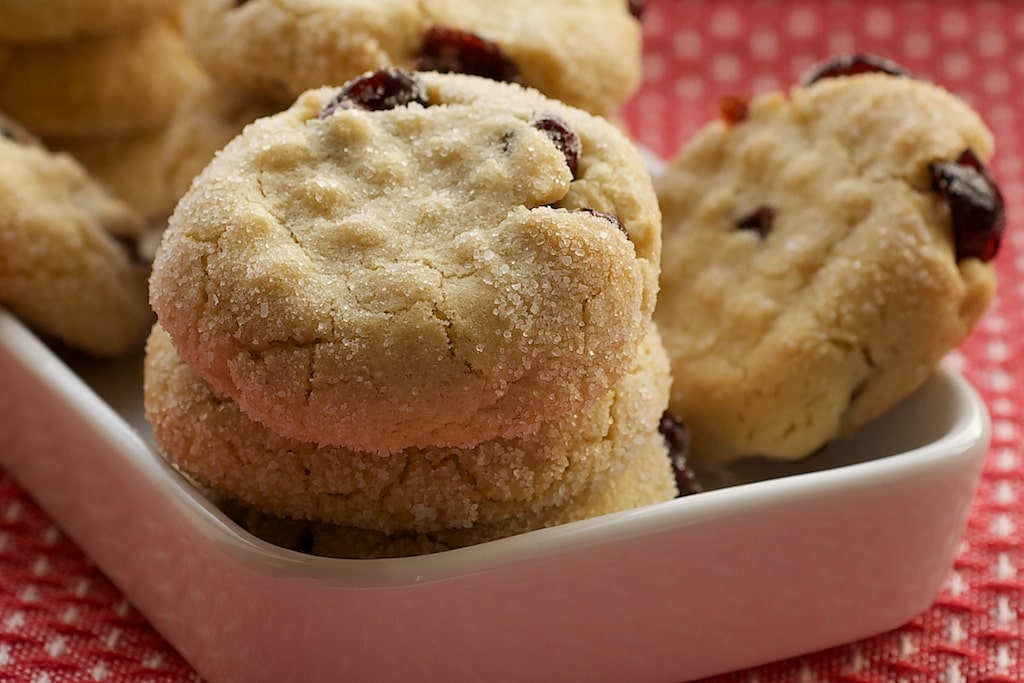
(208, 116)
(66, 265)
(583, 52)
(814, 272)
(127, 83)
(131, 166)
(442, 272)
(32, 21)
(424, 490)
(647, 480)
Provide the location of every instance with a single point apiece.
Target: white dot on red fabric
(878, 22)
(956, 66)
(688, 44)
(654, 67)
(917, 44)
(843, 41)
(764, 44)
(954, 23)
(802, 22)
(992, 43)
(726, 23)
(690, 88)
(725, 68)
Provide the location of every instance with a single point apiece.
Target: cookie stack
(261, 55)
(99, 79)
(416, 308)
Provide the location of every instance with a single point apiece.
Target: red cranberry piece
(377, 91)
(851, 65)
(563, 136)
(733, 109)
(677, 438)
(975, 204)
(761, 221)
(453, 50)
(610, 217)
(637, 7)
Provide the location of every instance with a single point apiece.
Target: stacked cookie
(418, 307)
(261, 55)
(100, 80)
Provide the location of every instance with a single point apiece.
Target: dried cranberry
(377, 91)
(610, 217)
(677, 438)
(453, 50)
(975, 204)
(851, 65)
(733, 109)
(636, 7)
(761, 221)
(563, 136)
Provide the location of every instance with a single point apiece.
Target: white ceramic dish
(795, 558)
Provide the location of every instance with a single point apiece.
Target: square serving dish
(777, 560)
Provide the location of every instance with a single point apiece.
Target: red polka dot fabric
(62, 620)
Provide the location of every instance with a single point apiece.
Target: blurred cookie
(583, 52)
(413, 261)
(424, 490)
(43, 21)
(823, 251)
(209, 115)
(67, 265)
(131, 166)
(126, 83)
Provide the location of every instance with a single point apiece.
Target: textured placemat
(61, 620)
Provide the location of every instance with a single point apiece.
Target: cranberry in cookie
(823, 251)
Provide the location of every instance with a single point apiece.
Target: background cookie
(280, 49)
(66, 261)
(124, 83)
(583, 52)
(415, 276)
(37, 21)
(424, 490)
(208, 116)
(131, 166)
(809, 276)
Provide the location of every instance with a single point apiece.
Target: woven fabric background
(62, 620)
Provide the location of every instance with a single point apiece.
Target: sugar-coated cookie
(43, 21)
(818, 259)
(424, 490)
(583, 52)
(647, 480)
(415, 260)
(124, 83)
(66, 261)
